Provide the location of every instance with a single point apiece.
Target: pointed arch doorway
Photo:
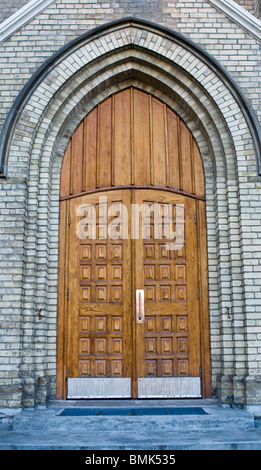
(133, 315)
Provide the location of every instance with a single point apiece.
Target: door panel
(132, 138)
(99, 306)
(132, 149)
(152, 350)
(168, 342)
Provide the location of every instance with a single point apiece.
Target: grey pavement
(221, 428)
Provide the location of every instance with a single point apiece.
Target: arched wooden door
(133, 292)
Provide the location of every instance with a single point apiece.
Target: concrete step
(219, 429)
(131, 440)
(6, 421)
(123, 420)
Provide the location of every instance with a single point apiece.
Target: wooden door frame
(61, 362)
(203, 283)
(62, 330)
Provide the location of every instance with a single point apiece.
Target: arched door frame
(77, 154)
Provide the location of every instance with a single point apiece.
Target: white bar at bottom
(169, 387)
(108, 387)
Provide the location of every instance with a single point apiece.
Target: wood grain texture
(132, 148)
(99, 305)
(62, 304)
(132, 138)
(204, 300)
(168, 343)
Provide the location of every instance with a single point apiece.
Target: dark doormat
(125, 411)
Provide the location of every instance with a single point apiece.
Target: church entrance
(133, 292)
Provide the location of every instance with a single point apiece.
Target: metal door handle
(140, 306)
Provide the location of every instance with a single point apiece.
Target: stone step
(117, 427)
(6, 421)
(123, 420)
(86, 439)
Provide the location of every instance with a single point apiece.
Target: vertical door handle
(140, 306)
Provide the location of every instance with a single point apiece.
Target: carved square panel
(116, 252)
(180, 272)
(151, 368)
(164, 271)
(86, 294)
(116, 230)
(85, 323)
(100, 345)
(150, 345)
(164, 253)
(166, 323)
(167, 367)
(149, 251)
(101, 272)
(150, 323)
(180, 254)
(148, 212)
(116, 345)
(101, 293)
(147, 232)
(116, 273)
(166, 345)
(101, 212)
(86, 251)
(101, 232)
(116, 368)
(100, 324)
(101, 252)
(165, 293)
(182, 323)
(115, 210)
(168, 231)
(149, 273)
(179, 212)
(84, 345)
(149, 293)
(84, 367)
(86, 273)
(183, 367)
(166, 211)
(181, 293)
(100, 367)
(182, 345)
(116, 324)
(116, 293)
(180, 234)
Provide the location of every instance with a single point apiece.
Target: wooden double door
(133, 296)
(133, 301)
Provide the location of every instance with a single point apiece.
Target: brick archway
(174, 70)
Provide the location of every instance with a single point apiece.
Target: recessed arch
(133, 149)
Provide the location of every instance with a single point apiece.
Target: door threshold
(130, 402)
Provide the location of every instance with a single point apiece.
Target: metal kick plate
(169, 387)
(99, 388)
